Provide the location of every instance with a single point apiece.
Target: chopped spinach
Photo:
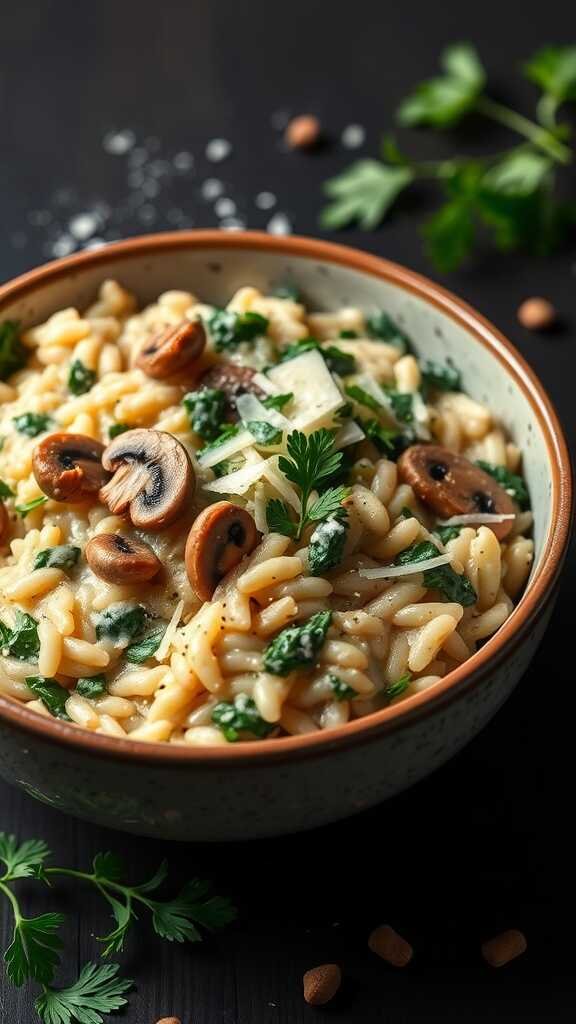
(52, 695)
(31, 423)
(121, 622)
(401, 406)
(340, 689)
(240, 715)
(296, 646)
(145, 648)
(264, 433)
(13, 355)
(390, 443)
(451, 584)
(277, 401)
(229, 330)
(29, 506)
(91, 686)
(118, 428)
(440, 377)
(206, 409)
(348, 334)
(230, 430)
(80, 378)
(399, 687)
(326, 545)
(297, 348)
(363, 397)
(447, 533)
(383, 327)
(5, 491)
(63, 556)
(342, 363)
(513, 484)
(22, 641)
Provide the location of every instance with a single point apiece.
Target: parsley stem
(536, 134)
(12, 898)
(100, 883)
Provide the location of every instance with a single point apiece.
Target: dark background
(487, 842)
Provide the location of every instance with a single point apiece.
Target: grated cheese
(170, 632)
(389, 571)
(349, 433)
(239, 481)
(226, 449)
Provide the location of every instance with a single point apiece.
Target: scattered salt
(39, 218)
(119, 143)
(62, 246)
(353, 136)
(150, 189)
(225, 207)
(279, 225)
(83, 226)
(147, 214)
(183, 162)
(138, 156)
(265, 200)
(212, 188)
(218, 149)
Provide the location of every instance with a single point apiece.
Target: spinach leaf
(440, 377)
(229, 330)
(326, 546)
(13, 355)
(240, 715)
(342, 363)
(401, 406)
(80, 378)
(22, 641)
(277, 401)
(297, 645)
(121, 622)
(118, 428)
(511, 482)
(31, 423)
(340, 689)
(63, 556)
(52, 695)
(91, 686)
(264, 433)
(363, 397)
(453, 586)
(5, 491)
(384, 328)
(145, 648)
(206, 409)
(447, 533)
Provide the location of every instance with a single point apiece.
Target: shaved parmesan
(316, 395)
(389, 571)
(239, 481)
(250, 408)
(170, 631)
(421, 416)
(265, 384)
(223, 451)
(279, 482)
(477, 517)
(349, 433)
(260, 503)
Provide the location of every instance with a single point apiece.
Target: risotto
(221, 525)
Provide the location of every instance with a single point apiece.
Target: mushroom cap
(233, 381)
(118, 559)
(451, 485)
(153, 477)
(68, 467)
(4, 522)
(172, 349)
(220, 537)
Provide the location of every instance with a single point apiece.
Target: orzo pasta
(242, 523)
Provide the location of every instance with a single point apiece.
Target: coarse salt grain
(353, 136)
(279, 225)
(83, 226)
(265, 200)
(118, 143)
(225, 207)
(62, 246)
(217, 150)
(211, 188)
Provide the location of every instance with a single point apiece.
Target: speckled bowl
(272, 787)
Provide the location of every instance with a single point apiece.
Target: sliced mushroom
(68, 467)
(233, 381)
(118, 559)
(453, 486)
(173, 349)
(153, 478)
(220, 537)
(4, 522)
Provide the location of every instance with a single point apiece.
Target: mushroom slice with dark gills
(68, 467)
(153, 478)
(233, 381)
(173, 349)
(118, 559)
(451, 485)
(220, 537)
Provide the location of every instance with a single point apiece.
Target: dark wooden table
(487, 842)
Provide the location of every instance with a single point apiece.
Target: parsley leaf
(311, 460)
(297, 646)
(97, 991)
(363, 193)
(381, 326)
(80, 378)
(340, 689)
(449, 235)
(279, 519)
(206, 409)
(398, 688)
(91, 686)
(511, 482)
(229, 330)
(240, 715)
(5, 491)
(264, 434)
(22, 641)
(121, 622)
(52, 695)
(451, 584)
(62, 556)
(22, 860)
(34, 950)
(554, 69)
(176, 920)
(447, 533)
(277, 401)
(442, 102)
(31, 423)
(326, 545)
(145, 648)
(13, 355)
(29, 506)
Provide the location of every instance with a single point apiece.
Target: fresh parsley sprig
(510, 193)
(36, 947)
(310, 461)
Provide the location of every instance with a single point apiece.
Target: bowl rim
(497, 648)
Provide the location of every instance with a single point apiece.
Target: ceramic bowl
(272, 787)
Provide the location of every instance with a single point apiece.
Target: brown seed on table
(451, 485)
(68, 467)
(153, 478)
(119, 559)
(504, 947)
(321, 984)
(172, 349)
(386, 943)
(536, 314)
(220, 537)
(302, 132)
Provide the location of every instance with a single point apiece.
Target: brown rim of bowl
(477, 667)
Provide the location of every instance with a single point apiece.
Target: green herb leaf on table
(206, 410)
(22, 860)
(97, 991)
(449, 234)
(62, 556)
(511, 482)
(5, 491)
(228, 330)
(80, 378)
(13, 354)
(442, 102)
(34, 952)
(554, 69)
(240, 716)
(451, 584)
(364, 193)
(91, 686)
(298, 645)
(145, 648)
(22, 641)
(51, 693)
(31, 423)
(177, 920)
